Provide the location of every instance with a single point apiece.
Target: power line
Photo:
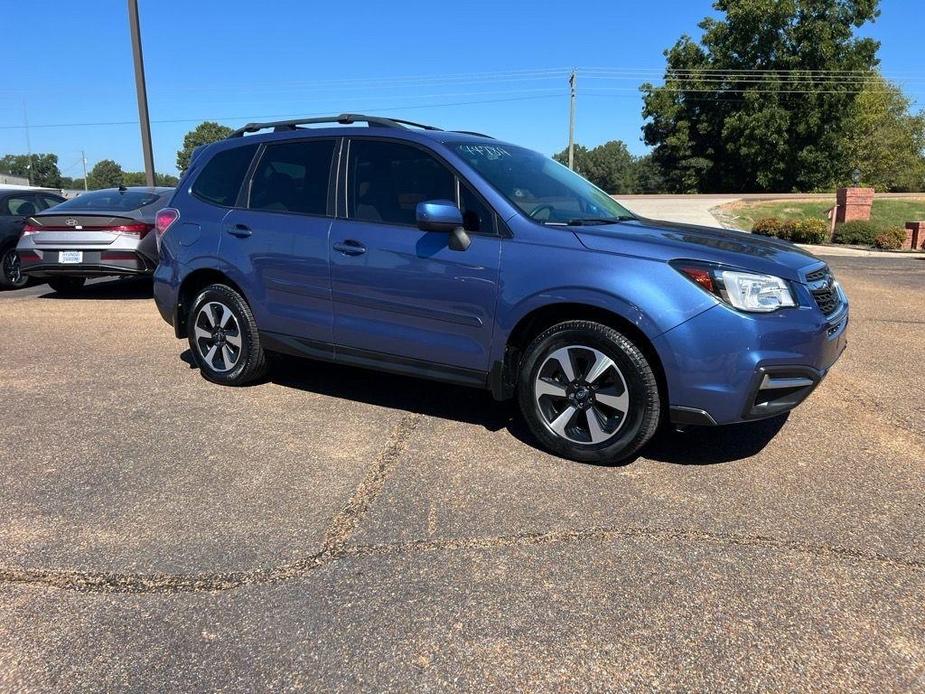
(408, 107)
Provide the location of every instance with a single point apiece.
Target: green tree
(105, 174)
(648, 176)
(609, 166)
(581, 158)
(41, 169)
(203, 134)
(885, 141)
(762, 103)
(137, 178)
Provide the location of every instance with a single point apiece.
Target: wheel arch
(503, 376)
(192, 284)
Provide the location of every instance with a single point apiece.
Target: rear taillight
(164, 219)
(139, 230)
(136, 230)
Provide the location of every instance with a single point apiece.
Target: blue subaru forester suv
(456, 257)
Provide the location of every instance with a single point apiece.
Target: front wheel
(11, 276)
(223, 337)
(588, 393)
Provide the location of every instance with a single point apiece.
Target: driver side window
(388, 179)
(477, 216)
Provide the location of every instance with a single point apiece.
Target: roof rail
(472, 132)
(342, 119)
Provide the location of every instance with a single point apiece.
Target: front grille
(827, 300)
(818, 274)
(822, 287)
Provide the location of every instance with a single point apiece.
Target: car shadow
(109, 289)
(712, 445)
(696, 446)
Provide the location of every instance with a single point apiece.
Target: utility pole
(25, 120)
(142, 91)
(572, 82)
(83, 158)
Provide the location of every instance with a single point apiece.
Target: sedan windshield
(545, 190)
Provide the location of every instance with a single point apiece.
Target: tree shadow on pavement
(109, 289)
(696, 446)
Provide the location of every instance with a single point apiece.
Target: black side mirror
(443, 215)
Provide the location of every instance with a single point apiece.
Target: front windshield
(545, 190)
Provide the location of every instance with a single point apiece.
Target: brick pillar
(853, 203)
(915, 235)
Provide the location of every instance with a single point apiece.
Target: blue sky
(496, 67)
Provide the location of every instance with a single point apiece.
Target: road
(338, 529)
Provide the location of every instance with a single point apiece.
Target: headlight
(748, 292)
(745, 291)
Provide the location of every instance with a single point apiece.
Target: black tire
(11, 276)
(250, 361)
(66, 285)
(633, 377)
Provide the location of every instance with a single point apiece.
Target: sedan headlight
(746, 291)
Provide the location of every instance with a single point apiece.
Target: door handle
(350, 247)
(239, 230)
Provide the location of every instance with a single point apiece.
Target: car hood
(675, 241)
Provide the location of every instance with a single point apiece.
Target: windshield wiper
(581, 221)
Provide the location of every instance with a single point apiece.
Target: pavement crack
(345, 522)
(101, 582)
(604, 534)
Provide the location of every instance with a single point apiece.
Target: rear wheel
(588, 392)
(66, 285)
(223, 337)
(11, 276)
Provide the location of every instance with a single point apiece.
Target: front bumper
(725, 366)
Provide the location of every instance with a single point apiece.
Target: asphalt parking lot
(344, 529)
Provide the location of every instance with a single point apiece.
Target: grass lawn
(890, 212)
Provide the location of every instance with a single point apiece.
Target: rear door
(14, 209)
(278, 238)
(401, 295)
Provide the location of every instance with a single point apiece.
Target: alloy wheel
(581, 395)
(12, 270)
(218, 336)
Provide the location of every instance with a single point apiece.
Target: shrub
(772, 226)
(768, 226)
(810, 231)
(859, 232)
(787, 228)
(890, 239)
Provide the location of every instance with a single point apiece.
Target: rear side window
(293, 177)
(114, 200)
(50, 201)
(220, 181)
(18, 205)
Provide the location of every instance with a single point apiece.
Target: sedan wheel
(11, 275)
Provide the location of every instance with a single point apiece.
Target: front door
(401, 295)
(280, 240)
